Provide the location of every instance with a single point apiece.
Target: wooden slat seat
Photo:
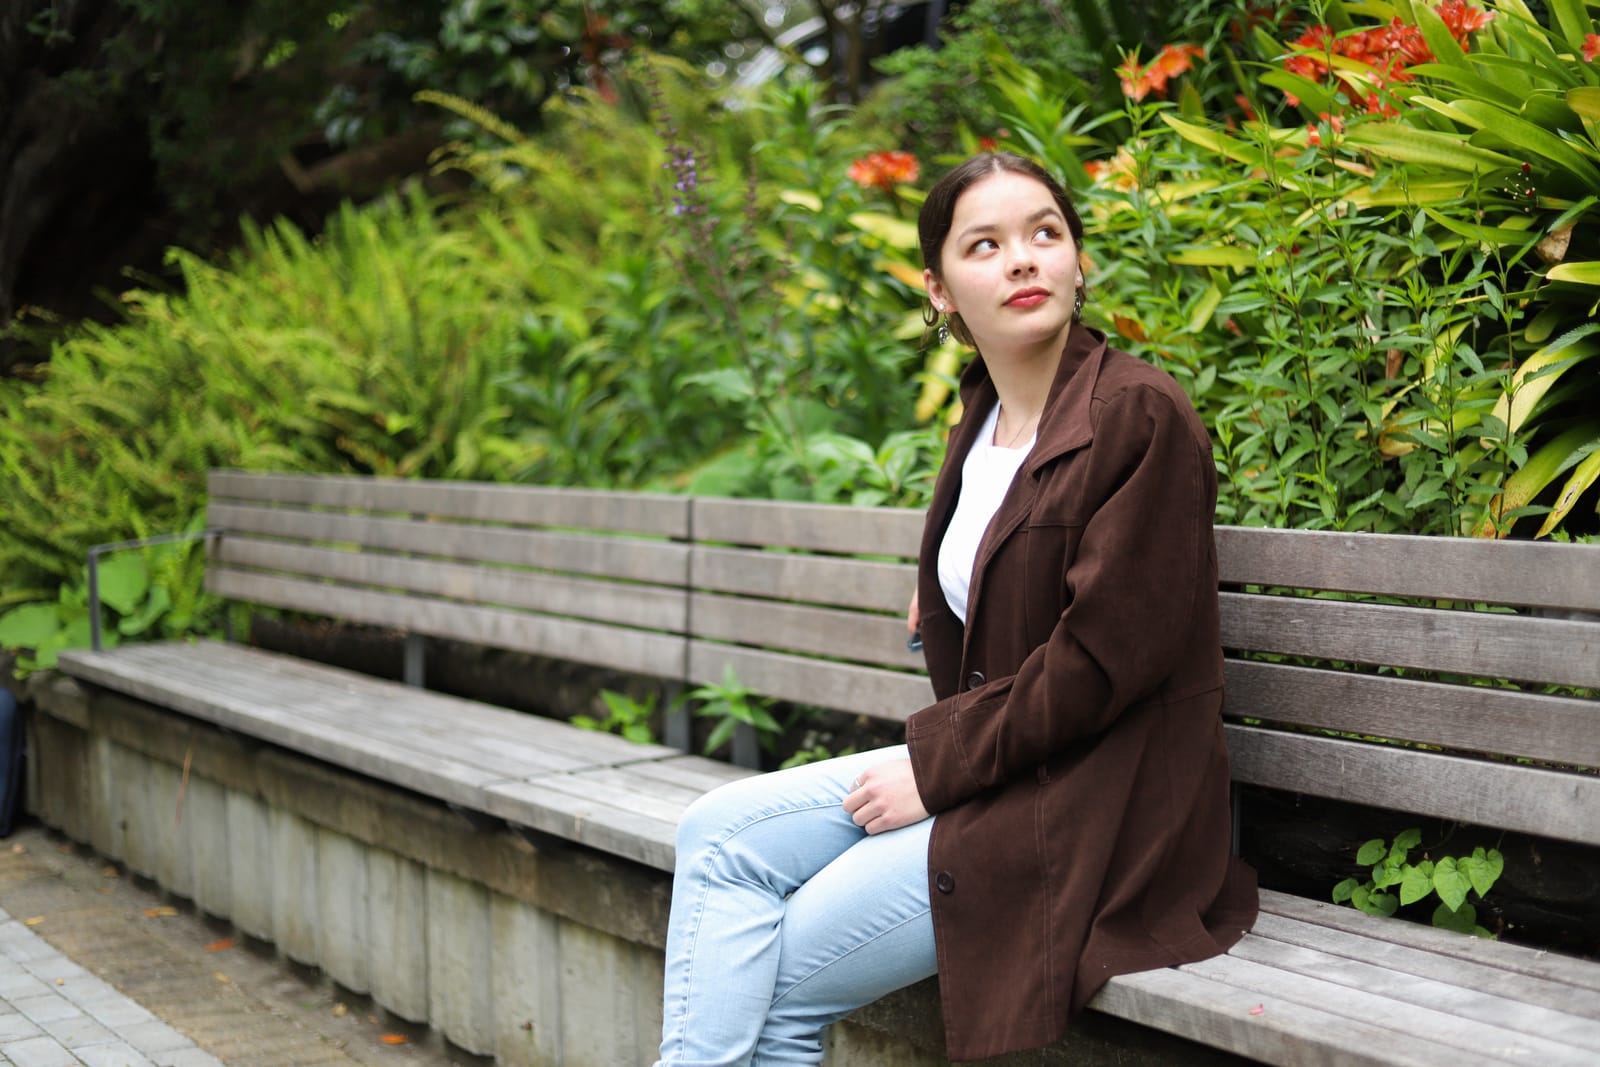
(1444, 678)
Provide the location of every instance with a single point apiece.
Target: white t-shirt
(986, 474)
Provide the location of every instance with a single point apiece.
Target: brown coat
(1075, 757)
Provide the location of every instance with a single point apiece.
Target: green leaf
(1426, 147)
(30, 626)
(1414, 886)
(1450, 883)
(124, 582)
(1585, 474)
(1371, 852)
(1484, 869)
(1216, 256)
(155, 606)
(1345, 890)
(1403, 844)
(1585, 100)
(1462, 919)
(1584, 273)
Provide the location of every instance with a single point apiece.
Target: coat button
(975, 679)
(945, 882)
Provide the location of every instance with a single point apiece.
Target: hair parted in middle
(939, 209)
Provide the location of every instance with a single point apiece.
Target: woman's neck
(1022, 379)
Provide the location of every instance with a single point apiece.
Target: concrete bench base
(524, 947)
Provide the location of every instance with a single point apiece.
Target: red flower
(1314, 137)
(884, 170)
(1173, 60)
(1591, 47)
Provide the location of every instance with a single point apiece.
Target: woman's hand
(913, 617)
(885, 797)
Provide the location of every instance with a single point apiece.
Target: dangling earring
(944, 330)
(1077, 307)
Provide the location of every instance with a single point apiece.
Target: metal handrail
(96, 551)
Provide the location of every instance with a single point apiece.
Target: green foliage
(732, 704)
(1386, 321)
(1396, 882)
(624, 715)
(937, 96)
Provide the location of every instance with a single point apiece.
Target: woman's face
(1009, 265)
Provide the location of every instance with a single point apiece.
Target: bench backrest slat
(816, 527)
(589, 509)
(1522, 573)
(879, 640)
(637, 651)
(1548, 651)
(1469, 718)
(1506, 795)
(636, 559)
(873, 691)
(851, 583)
(626, 603)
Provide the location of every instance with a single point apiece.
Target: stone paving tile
(15, 1026)
(37, 1052)
(117, 1054)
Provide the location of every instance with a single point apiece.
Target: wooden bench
(1396, 699)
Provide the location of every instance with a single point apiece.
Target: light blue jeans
(786, 917)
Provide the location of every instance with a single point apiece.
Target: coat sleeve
(1133, 589)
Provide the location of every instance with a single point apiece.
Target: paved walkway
(104, 970)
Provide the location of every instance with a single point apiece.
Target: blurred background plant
(1363, 235)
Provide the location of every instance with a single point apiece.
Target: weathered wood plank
(876, 639)
(321, 686)
(1483, 990)
(444, 779)
(634, 559)
(1422, 1023)
(523, 505)
(1263, 1026)
(1529, 573)
(584, 820)
(691, 772)
(849, 583)
(1565, 971)
(637, 651)
(819, 527)
(624, 603)
(874, 691)
(1468, 717)
(1547, 651)
(1509, 796)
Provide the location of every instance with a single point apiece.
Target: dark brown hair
(939, 209)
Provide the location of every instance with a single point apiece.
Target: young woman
(1060, 814)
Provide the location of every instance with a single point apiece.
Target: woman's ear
(937, 293)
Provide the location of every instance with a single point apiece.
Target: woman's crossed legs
(786, 916)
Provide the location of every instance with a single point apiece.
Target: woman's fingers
(885, 798)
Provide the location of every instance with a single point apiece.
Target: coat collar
(1063, 427)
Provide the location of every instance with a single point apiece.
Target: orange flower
(1173, 60)
(1334, 122)
(1462, 19)
(884, 170)
(1591, 47)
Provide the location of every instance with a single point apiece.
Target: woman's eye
(1048, 232)
(983, 243)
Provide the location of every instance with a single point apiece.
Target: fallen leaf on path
(395, 1039)
(61, 981)
(339, 1010)
(19, 849)
(35, 921)
(1258, 1009)
(219, 976)
(218, 946)
(163, 912)
(109, 871)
